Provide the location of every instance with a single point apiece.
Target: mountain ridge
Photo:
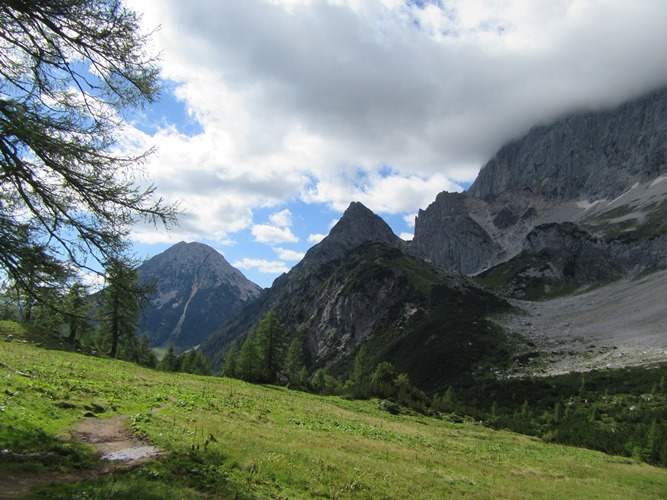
(525, 229)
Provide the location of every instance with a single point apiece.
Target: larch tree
(69, 69)
(121, 303)
(271, 339)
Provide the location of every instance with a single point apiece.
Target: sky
(276, 114)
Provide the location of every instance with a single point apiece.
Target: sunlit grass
(225, 437)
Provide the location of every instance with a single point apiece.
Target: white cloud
(286, 254)
(282, 218)
(264, 233)
(263, 266)
(410, 219)
(392, 193)
(316, 237)
(407, 236)
(431, 91)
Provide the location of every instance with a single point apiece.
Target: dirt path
(118, 446)
(114, 440)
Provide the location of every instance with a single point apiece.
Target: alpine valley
(552, 261)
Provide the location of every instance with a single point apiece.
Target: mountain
(357, 225)
(357, 286)
(603, 172)
(198, 290)
(570, 208)
(572, 220)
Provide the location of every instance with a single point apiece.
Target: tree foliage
(170, 361)
(121, 303)
(249, 365)
(361, 373)
(230, 364)
(271, 338)
(68, 70)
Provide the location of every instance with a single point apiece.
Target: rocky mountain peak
(198, 290)
(588, 155)
(357, 225)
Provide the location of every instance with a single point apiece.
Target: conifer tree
(230, 363)
(68, 71)
(144, 355)
(271, 340)
(294, 361)
(361, 373)
(169, 362)
(77, 311)
(121, 302)
(249, 365)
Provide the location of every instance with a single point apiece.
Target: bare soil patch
(117, 445)
(114, 440)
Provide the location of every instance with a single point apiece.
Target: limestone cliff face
(447, 235)
(571, 171)
(591, 156)
(198, 290)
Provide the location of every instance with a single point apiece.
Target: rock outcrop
(357, 225)
(586, 156)
(447, 235)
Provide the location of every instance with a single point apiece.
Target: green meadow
(225, 438)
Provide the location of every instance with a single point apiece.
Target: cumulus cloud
(290, 255)
(282, 218)
(383, 102)
(316, 237)
(263, 266)
(265, 233)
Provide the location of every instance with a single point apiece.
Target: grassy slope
(271, 442)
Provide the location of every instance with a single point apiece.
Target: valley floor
(617, 325)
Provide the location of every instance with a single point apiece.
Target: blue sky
(276, 114)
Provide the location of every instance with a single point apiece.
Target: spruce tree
(294, 361)
(249, 365)
(361, 373)
(169, 362)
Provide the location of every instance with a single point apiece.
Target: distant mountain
(198, 290)
(357, 286)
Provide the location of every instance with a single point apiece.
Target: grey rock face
(586, 158)
(198, 290)
(357, 225)
(590, 155)
(559, 256)
(448, 236)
